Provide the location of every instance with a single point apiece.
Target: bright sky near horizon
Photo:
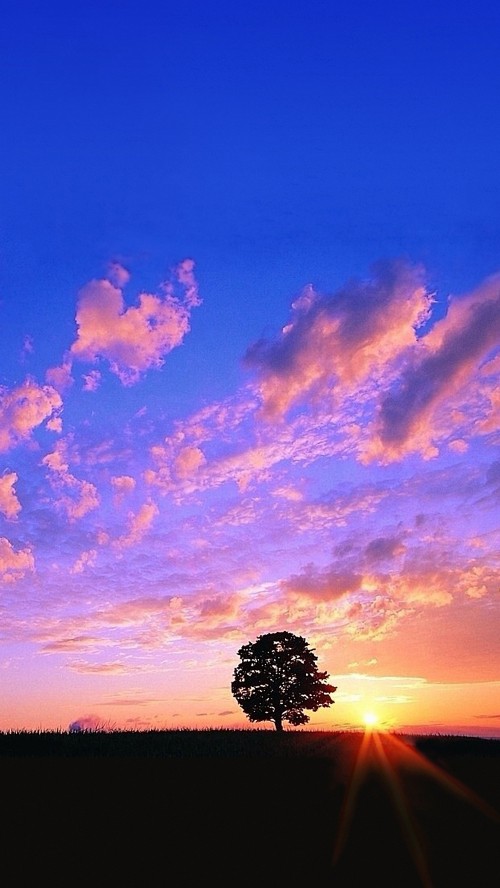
(250, 364)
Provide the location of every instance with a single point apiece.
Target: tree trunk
(278, 723)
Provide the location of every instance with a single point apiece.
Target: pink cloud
(77, 497)
(122, 484)
(445, 376)
(134, 339)
(86, 559)
(70, 644)
(60, 377)
(384, 548)
(478, 581)
(184, 273)
(139, 524)
(320, 585)
(333, 344)
(188, 461)
(9, 503)
(219, 605)
(14, 565)
(118, 274)
(101, 668)
(91, 381)
(389, 385)
(82, 499)
(448, 362)
(24, 408)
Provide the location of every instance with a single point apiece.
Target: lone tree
(278, 678)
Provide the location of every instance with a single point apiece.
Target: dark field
(193, 808)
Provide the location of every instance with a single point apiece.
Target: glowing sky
(250, 363)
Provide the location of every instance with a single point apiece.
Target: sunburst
(390, 756)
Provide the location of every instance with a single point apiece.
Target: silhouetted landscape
(241, 807)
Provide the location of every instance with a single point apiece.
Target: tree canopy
(278, 678)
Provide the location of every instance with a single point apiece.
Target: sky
(250, 358)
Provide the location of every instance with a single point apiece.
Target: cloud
(86, 559)
(321, 584)
(334, 344)
(91, 381)
(116, 668)
(23, 409)
(27, 348)
(14, 565)
(122, 484)
(244, 564)
(77, 496)
(184, 273)
(384, 548)
(9, 503)
(60, 377)
(139, 524)
(188, 461)
(135, 339)
(391, 380)
(88, 723)
(478, 581)
(447, 362)
(118, 274)
(71, 643)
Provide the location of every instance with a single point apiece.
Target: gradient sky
(250, 362)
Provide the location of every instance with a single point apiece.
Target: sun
(370, 720)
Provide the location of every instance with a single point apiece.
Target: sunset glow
(250, 366)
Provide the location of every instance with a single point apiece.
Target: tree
(278, 678)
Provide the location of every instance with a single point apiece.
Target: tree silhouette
(278, 678)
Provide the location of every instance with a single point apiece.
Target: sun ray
(390, 756)
(398, 795)
(357, 776)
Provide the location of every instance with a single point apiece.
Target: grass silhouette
(253, 807)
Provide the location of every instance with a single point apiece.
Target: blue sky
(232, 161)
